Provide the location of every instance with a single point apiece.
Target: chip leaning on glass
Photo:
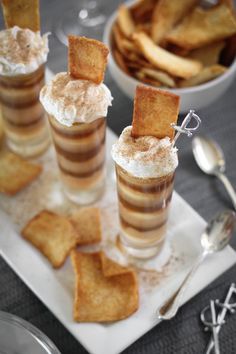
(195, 61)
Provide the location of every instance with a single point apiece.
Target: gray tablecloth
(183, 334)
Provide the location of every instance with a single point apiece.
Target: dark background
(183, 334)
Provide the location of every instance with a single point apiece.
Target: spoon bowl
(218, 232)
(210, 159)
(208, 155)
(215, 237)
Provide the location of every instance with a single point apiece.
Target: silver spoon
(210, 159)
(215, 237)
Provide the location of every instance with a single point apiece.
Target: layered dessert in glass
(23, 54)
(77, 111)
(145, 168)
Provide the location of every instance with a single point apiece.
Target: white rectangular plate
(55, 287)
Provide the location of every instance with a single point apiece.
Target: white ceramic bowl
(196, 97)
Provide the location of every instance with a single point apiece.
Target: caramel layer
(82, 174)
(146, 209)
(125, 224)
(77, 134)
(24, 124)
(157, 188)
(18, 105)
(79, 156)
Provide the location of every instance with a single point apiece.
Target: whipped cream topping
(146, 156)
(75, 101)
(22, 51)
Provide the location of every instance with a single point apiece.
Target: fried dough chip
(208, 55)
(166, 14)
(125, 21)
(22, 13)
(154, 111)
(142, 10)
(100, 298)
(87, 223)
(162, 59)
(16, 173)
(53, 235)
(111, 268)
(161, 76)
(203, 27)
(207, 74)
(87, 58)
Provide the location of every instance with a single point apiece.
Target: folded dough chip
(53, 235)
(101, 298)
(16, 173)
(125, 21)
(161, 58)
(208, 73)
(166, 14)
(87, 223)
(110, 267)
(22, 13)
(154, 111)
(87, 58)
(209, 54)
(203, 27)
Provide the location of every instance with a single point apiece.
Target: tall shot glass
(143, 211)
(23, 115)
(80, 151)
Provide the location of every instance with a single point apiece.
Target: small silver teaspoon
(215, 237)
(210, 159)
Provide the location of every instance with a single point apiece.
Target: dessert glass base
(143, 210)
(80, 153)
(23, 116)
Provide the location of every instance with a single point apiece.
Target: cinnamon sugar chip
(111, 268)
(125, 21)
(87, 223)
(16, 173)
(207, 74)
(101, 298)
(166, 14)
(22, 13)
(203, 27)
(162, 59)
(53, 235)
(154, 111)
(87, 58)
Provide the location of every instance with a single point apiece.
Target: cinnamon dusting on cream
(22, 51)
(145, 156)
(70, 100)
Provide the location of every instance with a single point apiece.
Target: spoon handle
(171, 306)
(228, 187)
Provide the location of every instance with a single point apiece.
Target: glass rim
(36, 333)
